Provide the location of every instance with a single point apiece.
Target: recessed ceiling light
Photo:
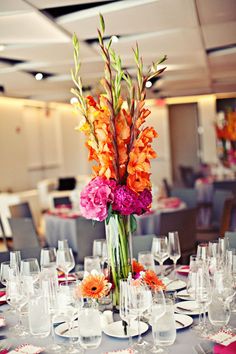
(39, 76)
(2, 47)
(115, 39)
(148, 84)
(74, 100)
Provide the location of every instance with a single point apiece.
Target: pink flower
(125, 200)
(95, 197)
(145, 200)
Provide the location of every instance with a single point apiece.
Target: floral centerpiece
(226, 136)
(120, 144)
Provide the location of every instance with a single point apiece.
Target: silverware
(172, 281)
(67, 330)
(186, 309)
(168, 270)
(180, 323)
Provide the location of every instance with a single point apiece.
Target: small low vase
(119, 246)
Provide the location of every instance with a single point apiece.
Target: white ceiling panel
(46, 4)
(216, 11)
(30, 27)
(46, 52)
(158, 17)
(13, 6)
(218, 35)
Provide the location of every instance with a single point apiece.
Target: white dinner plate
(116, 329)
(183, 294)
(173, 285)
(190, 308)
(182, 321)
(62, 330)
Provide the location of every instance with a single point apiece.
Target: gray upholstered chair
(141, 243)
(183, 221)
(23, 233)
(87, 232)
(231, 236)
(187, 195)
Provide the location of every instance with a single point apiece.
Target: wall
(37, 143)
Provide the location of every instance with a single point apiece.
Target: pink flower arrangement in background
(100, 193)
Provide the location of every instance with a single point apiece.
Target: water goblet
(202, 252)
(65, 261)
(62, 244)
(4, 272)
(29, 269)
(147, 260)
(15, 260)
(160, 250)
(100, 250)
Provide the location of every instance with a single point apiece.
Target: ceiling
(198, 36)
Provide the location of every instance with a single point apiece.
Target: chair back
(220, 207)
(23, 233)
(21, 210)
(167, 187)
(183, 221)
(141, 243)
(187, 176)
(57, 201)
(87, 232)
(227, 215)
(225, 185)
(231, 237)
(187, 195)
(2, 233)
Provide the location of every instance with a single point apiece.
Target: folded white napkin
(106, 318)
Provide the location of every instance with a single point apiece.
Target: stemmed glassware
(203, 295)
(174, 247)
(163, 324)
(100, 250)
(147, 260)
(160, 250)
(92, 263)
(126, 313)
(16, 298)
(202, 252)
(15, 260)
(4, 272)
(30, 268)
(65, 261)
(141, 301)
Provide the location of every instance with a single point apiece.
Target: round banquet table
(185, 342)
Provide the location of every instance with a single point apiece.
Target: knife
(124, 324)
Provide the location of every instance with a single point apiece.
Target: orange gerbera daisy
(94, 286)
(152, 280)
(137, 267)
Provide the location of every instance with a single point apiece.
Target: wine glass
(62, 244)
(100, 250)
(218, 311)
(92, 263)
(141, 301)
(160, 250)
(202, 252)
(126, 313)
(203, 295)
(147, 260)
(4, 273)
(174, 248)
(47, 257)
(16, 298)
(65, 261)
(90, 331)
(163, 325)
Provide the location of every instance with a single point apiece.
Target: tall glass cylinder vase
(119, 246)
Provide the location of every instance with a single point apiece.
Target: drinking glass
(4, 275)
(202, 252)
(30, 268)
(90, 331)
(100, 250)
(47, 257)
(16, 298)
(160, 250)
(203, 295)
(141, 300)
(126, 313)
(92, 263)
(174, 247)
(157, 311)
(39, 316)
(15, 260)
(213, 247)
(163, 326)
(147, 260)
(65, 261)
(222, 247)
